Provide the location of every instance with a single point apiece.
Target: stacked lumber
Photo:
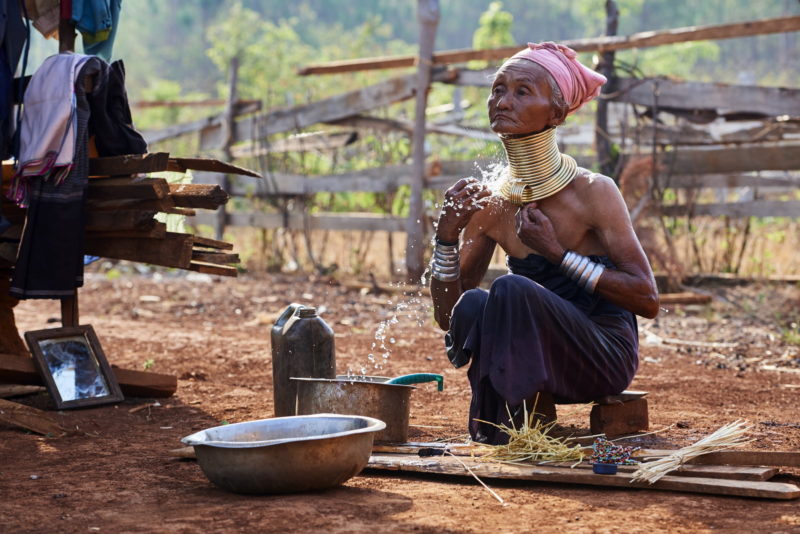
(122, 204)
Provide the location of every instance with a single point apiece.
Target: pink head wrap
(578, 83)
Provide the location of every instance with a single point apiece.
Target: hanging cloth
(97, 20)
(50, 259)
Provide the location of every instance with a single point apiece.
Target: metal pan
(368, 396)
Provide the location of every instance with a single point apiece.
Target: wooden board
(316, 141)
(128, 187)
(173, 250)
(160, 161)
(128, 164)
(765, 458)
(161, 205)
(157, 230)
(205, 196)
(608, 43)
(145, 383)
(219, 258)
(752, 208)
(210, 268)
(368, 222)
(724, 159)
(199, 241)
(326, 110)
(767, 101)
(208, 165)
(114, 221)
(33, 419)
(21, 370)
(686, 297)
(8, 391)
(564, 475)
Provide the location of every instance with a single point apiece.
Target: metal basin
(368, 396)
(285, 454)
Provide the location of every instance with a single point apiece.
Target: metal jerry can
(302, 346)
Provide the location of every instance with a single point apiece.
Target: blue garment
(97, 20)
(13, 35)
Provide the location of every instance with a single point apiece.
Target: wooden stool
(618, 415)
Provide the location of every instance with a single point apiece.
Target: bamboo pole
(428, 17)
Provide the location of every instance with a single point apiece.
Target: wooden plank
(177, 130)
(763, 458)
(174, 250)
(205, 196)
(316, 141)
(723, 159)
(157, 231)
(326, 110)
(385, 179)
(128, 164)
(367, 222)
(16, 390)
(765, 180)
(128, 187)
(769, 101)
(29, 418)
(753, 208)
(564, 475)
(208, 165)
(145, 383)
(21, 370)
(208, 102)
(163, 205)
(120, 220)
(214, 257)
(730, 472)
(597, 44)
(199, 241)
(210, 268)
(687, 297)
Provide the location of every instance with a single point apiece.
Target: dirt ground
(704, 366)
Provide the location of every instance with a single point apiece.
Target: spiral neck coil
(536, 168)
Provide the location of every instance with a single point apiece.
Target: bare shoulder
(592, 185)
(491, 215)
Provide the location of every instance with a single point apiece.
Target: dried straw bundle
(729, 436)
(531, 443)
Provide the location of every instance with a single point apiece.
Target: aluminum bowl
(285, 454)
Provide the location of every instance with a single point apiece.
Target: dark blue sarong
(534, 331)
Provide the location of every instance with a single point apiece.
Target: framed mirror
(73, 366)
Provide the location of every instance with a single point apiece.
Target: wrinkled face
(521, 99)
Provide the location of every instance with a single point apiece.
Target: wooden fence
(764, 156)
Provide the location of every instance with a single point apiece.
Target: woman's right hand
(465, 198)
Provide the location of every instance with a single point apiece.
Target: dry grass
(532, 442)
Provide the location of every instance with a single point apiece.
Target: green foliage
(494, 28)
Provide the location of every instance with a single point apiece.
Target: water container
(302, 346)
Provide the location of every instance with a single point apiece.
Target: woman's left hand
(536, 231)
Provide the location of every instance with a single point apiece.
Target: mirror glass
(74, 368)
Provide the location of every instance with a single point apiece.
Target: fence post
(428, 17)
(602, 140)
(228, 124)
